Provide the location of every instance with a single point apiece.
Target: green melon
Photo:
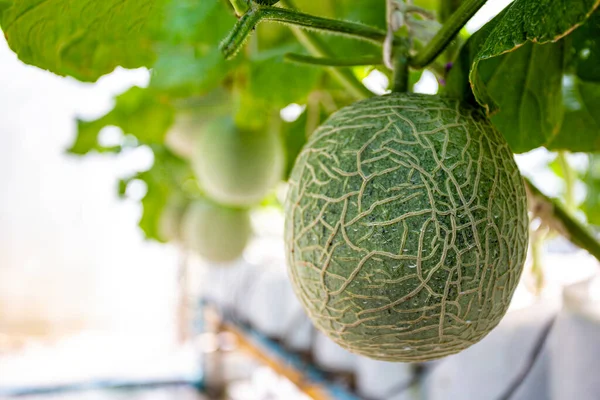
(406, 227)
(192, 117)
(216, 233)
(238, 167)
(169, 222)
(184, 133)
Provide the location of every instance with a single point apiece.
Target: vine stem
(446, 9)
(401, 71)
(447, 33)
(238, 36)
(396, 50)
(333, 62)
(556, 217)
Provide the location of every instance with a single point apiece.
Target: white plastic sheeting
(487, 369)
(566, 366)
(575, 346)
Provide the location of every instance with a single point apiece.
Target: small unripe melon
(216, 233)
(192, 117)
(235, 166)
(406, 227)
(170, 220)
(184, 134)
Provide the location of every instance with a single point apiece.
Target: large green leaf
(4, 4)
(520, 84)
(82, 38)
(87, 39)
(580, 129)
(537, 21)
(139, 112)
(526, 84)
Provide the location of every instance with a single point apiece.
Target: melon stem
(401, 71)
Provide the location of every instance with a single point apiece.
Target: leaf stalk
(333, 62)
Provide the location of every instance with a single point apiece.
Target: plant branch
(333, 62)
(447, 8)
(448, 32)
(556, 217)
(401, 72)
(239, 34)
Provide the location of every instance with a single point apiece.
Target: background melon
(171, 219)
(406, 227)
(191, 118)
(216, 233)
(235, 166)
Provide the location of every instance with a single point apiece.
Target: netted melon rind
(406, 227)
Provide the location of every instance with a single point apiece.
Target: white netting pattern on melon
(406, 227)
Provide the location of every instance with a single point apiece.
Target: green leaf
(189, 61)
(87, 39)
(580, 129)
(591, 205)
(185, 71)
(275, 82)
(4, 4)
(139, 112)
(82, 38)
(537, 21)
(526, 84)
(169, 178)
(521, 87)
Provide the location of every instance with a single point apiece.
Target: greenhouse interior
(300, 199)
